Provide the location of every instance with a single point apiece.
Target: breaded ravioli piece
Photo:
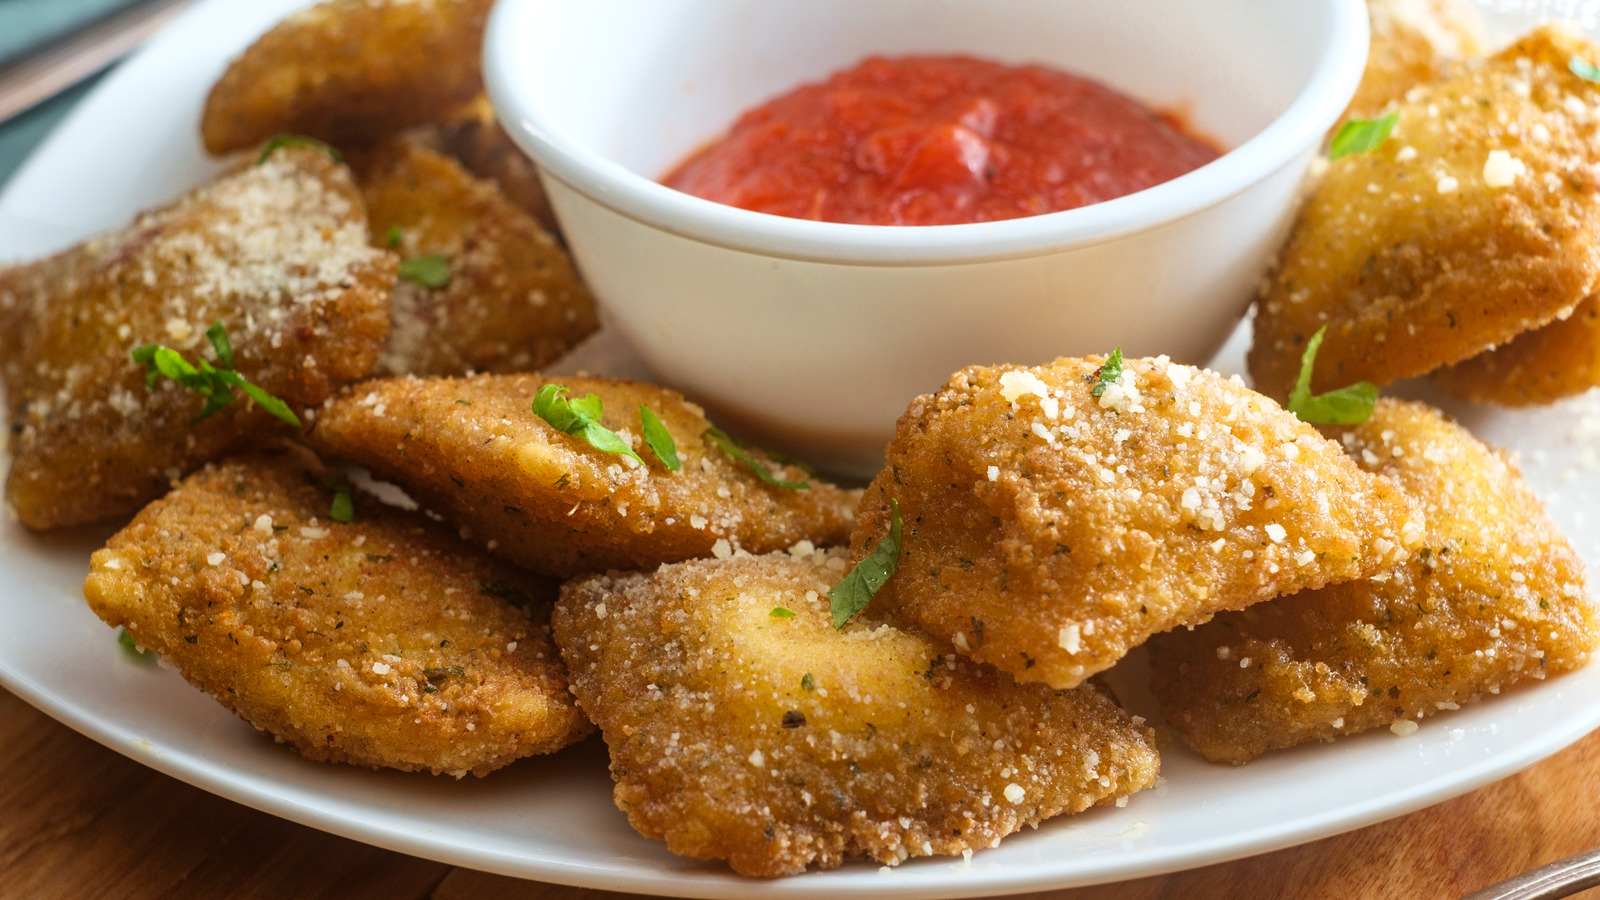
(1048, 531)
(1476, 220)
(478, 142)
(383, 642)
(1495, 597)
(1413, 42)
(484, 288)
(276, 252)
(473, 450)
(743, 727)
(1538, 367)
(350, 72)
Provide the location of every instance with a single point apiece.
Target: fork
(53, 68)
(1562, 878)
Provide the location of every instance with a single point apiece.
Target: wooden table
(78, 820)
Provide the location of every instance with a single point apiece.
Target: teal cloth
(24, 25)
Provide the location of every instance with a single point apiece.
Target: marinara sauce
(940, 140)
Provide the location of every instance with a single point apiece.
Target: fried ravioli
(1539, 367)
(1413, 42)
(375, 643)
(1496, 596)
(1048, 531)
(473, 450)
(276, 252)
(510, 300)
(1477, 220)
(479, 143)
(350, 72)
(743, 726)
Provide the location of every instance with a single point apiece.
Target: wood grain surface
(78, 820)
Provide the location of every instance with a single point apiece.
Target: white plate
(133, 144)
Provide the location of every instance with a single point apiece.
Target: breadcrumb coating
(513, 302)
(1560, 360)
(276, 252)
(383, 642)
(1496, 596)
(1048, 531)
(350, 72)
(1477, 220)
(477, 141)
(473, 450)
(1413, 42)
(778, 743)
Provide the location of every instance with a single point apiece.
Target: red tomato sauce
(940, 140)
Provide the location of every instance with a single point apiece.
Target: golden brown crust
(1413, 42)
(1538, 367)
(478, 142)
(1049, 536)
(276, 252)
(1419, 254)
(802, 745)
(376, 643)
(513, 303)
(473, 450)
(1498, 596)
(350, 72)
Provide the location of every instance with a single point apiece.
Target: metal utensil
(1562, 878)
(56, 66)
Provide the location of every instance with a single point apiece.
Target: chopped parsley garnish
(852, 594)
(731, 447)
(216, 385)
(580, 418)
(1108, 373)
(1584, 69)
(659, 439)
(395, 237)
(431, 271)
(297, 140)
(218, 336)
(343, 508)
(131, 646)
(1350, 405)
(787, 460)
(781, 612)
(1361, 135)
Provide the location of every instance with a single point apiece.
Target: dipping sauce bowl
(812, 337)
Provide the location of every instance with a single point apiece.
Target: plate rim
(255, 790)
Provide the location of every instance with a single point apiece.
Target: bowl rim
(560, 155)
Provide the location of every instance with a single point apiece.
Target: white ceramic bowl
(814, 336)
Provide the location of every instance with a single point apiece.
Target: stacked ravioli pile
(1465, 246)
(1049, 531)
(319, 273)
(553, 556)
(161, 362)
